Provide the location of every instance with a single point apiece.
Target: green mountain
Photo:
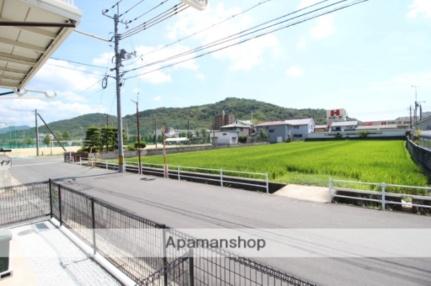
(198, 117)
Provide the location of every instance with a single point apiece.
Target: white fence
(255, 180)
(385, 195)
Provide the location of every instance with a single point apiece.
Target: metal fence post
(191, 269)
(165, 258)
(93, 224)
(331, 188)
(50, 197)
(221, 177)
(267, 183)
(59, 205)
(179, 173)
(80, 161)
(383, 188)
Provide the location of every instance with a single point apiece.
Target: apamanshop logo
(216, 243)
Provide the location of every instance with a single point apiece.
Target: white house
(222, 138)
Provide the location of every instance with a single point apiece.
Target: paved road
(191, 205)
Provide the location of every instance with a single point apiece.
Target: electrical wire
(155, 20)
(132, 7)
(92, 36)
(249, 39)
(177, 8)
(248, 31)
(147, 12)
(113, 5)
(79, 63)
(231, 17)
(74, 69)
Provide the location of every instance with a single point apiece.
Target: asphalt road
(192, 205)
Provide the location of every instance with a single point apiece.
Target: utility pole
(165, 158)
(411, 123)
(121, 54)
(118, 77)
(37, 132)
(155, 132)
(188, 131)
(138, 134)
(121, 168)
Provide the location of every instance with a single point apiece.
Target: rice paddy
(311, 162)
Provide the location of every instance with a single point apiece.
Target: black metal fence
(140, 252)
(24, 202)
(421, 155)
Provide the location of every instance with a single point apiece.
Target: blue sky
(363, 59)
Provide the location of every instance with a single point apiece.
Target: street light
(23, 91)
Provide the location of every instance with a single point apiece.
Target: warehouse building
(281, 131)
(343, 126)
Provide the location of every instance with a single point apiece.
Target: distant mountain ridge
(13, 128)
(200, 116)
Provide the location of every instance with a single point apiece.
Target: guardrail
(420, 155)
(379, 195)
(221, 177)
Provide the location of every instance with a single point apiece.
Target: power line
(131, 8)
(231, 17)
(113, 6)
(245, 32)
(74, 69)
(80, 63)
(249, 39)
(155, 20)
(147, 12)
(92, 36)
(176, 9)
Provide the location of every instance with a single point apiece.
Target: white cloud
(305, 3)
(62, 76)
(323, 28)
(157, 98)
(151, 74)
(241, 58)
(19, 111)
(104, 59)
(419, 8)
(69, 81)
(301, 44)
(295, 72)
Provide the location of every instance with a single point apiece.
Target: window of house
(271, 130)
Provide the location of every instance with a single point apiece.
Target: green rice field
(311, 162)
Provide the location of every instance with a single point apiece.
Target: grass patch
(311, 162)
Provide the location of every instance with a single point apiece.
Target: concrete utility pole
(155, 132)
(138, 134)
(37, 132)
(118, 84)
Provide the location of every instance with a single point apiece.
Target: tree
(47, 140)
(108, 138)
(205, 135)
(92, 140)
(66, 135)
(29, 141)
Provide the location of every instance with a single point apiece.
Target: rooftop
(344, 123)
(25, 48)
(292, 122)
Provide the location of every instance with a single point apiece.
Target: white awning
(24, 45)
